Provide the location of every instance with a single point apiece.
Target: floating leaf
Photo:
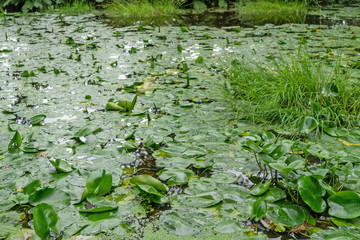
(228, 226)
(46, 219)
(52, 196)
(61, 165)
(184, 29)
(176, 176)
(344, 205)
(148, 180)
(94, 204)
(205, 199)
(37, 119)
(83, 132)
(199, 60)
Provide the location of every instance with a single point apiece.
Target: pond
(80, 94)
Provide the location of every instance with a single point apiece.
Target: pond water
(69, 67)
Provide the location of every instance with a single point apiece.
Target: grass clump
(282, 11)
(145, 10)
(73, 8)
(285, 92)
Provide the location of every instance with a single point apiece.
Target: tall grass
(285, 91)
(73, 8)
(282, 11)
(145, 10)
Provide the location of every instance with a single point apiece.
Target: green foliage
(286, 92)
(46, 219)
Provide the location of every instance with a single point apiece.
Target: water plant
(285, 91)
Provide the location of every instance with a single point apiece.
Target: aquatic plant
(285, 91)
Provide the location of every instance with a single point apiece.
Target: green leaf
(286, 213)
(176, 176)
(307, 125)
(260, 188)
(16, 141)
(46, 219)
(37, 119)
(228, 226)
(32, 187)
(184, 29)
(199, 60)
(344, 205)
(97, 183)
(61, 165)
(111, 106)
(258, 210)
(343, 233)
(148, 180)
(83, 132)
(205, 199)
(311, 192)
(272, 195)
(149, 189)
(94, 204)
(179, 48)
(52, 196)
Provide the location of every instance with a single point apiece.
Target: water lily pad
(46, 219)
(148, 180)
(175, 176)
(286, 213)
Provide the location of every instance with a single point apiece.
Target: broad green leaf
(272, 195)
(342, 233)
(61, 165)
(111, 106)
(286, 213)
(97, 183)
(52, 196)
(94, 204)
(311, 192)
(176, 176)
(258, 210)
(352, 222)
(205, 199)
(83, 132)
(228, 226)
(32, 187)
(149, 189)
(199, 60)
(46, 219)
(16, 141)
(329, 189)
(260, 188)
(184, 29)
(344, 205)
(148, 180)
(37, 119)
(307, 125)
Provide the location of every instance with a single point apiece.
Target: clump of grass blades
(75, 7)
(139, 9)
(284, 92)
(290, 10)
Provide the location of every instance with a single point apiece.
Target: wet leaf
(311, 192)
(37, 119)
(61, 165)
(258, 210)
(46, 219)
(286, 213)
(228, 226)
(16, 141)
(175, 176)
(52, 196)
(260, 188)
(97, 183)
(148, 180)
(344, 205)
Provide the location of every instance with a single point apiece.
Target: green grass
(284, 92)
(145, 10)
(77, 7)
(280, 11)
